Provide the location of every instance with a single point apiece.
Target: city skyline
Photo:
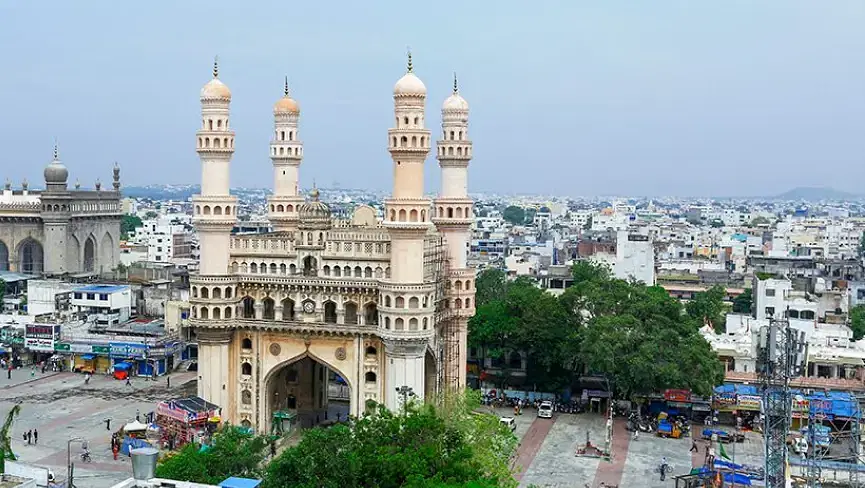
(566, 99)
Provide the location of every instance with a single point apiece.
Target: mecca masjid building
(381, 304)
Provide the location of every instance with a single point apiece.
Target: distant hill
(813, 193)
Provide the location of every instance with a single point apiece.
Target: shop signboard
(820, 405)
(61, 347)
(127, 350)
(41, 337)
(681, 396)
(36, 344)
(748, 402)
(724, 400)
(100, 349)
(801, 406)
(80, 348)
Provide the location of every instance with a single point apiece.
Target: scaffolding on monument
(436, 269)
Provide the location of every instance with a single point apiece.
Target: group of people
(31, 436)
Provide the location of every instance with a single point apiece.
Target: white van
(509, 423)
(545, 410)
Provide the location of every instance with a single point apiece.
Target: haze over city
(674, 98)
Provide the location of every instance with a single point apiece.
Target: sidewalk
(22, 377)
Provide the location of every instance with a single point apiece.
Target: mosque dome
(409, 84)
(215, 89)
(455, 102)
(56, 171)
(286, 104)
(314, 210)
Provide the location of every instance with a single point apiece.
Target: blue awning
(87, 357)
(122, 366)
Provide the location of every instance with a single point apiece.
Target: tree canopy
(708, 308)
(233, 452)
(857, 321)
(742, 303)
(128, 225)
(424, 448)
(639, 337)
(515, 215)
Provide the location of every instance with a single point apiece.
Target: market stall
(185, 420)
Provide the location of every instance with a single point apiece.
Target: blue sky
(567, 97)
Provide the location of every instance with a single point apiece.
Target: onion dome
(286, 104)
(56, 173)
(409, 84)
(314, 211)
(215, 89)
(455, 101)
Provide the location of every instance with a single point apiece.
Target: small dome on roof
(215, 89)
(286, 104)
(56, 171)
(409, 84)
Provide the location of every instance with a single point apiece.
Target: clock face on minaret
(309, 307)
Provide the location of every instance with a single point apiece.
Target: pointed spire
(77, 184)
(314, 193)
(286, 85)
(456, 87)
(409, 67)
(25, 184)
(216, 66)
(56, 151)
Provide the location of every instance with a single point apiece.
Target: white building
(104, 305)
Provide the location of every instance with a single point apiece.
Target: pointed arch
(90, 253)
(73, 254)
(106, 253)
(248, 304)
(269, 309)
(370, 314)
(350, 313)
(330, 312)
(287, 309)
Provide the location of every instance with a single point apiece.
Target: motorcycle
(85, 457)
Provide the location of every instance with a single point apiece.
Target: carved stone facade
(277, 313)
(59, 231)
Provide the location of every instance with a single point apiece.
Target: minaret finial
(409, 67)
(56, 151)
(456, 88)
(286, 85)
(216, 66)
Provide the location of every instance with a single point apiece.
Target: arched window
(309, 266)
(452, 135)
(288, 309)
(402, 215)
(371, 351)
(450, 212)
(330, 312)
(423, 215)
(387, 300)
(350, 313)
(367, 272)
(205, 293)
(272, 268)
(325, 270)
(358, 272)
(399, 324)
(228, 312)
(253, 268)
(216, 142)
(458, 285)
(370, 314)
(369, 377)
(379, 272)
(413, 141)
(206, 142)
(459, 212)
(424, 323)
(400, 302)
(405, 120)
(269, 312)
(387, 323)
(217, 312)
(412, 324)
(210, 124)
(246, 369)
(394, 141)
(458, 303)
(422, 141)
(217, 210)
(468, 303)
(283, 269)
(392, 215)
(346, 271)
(207, 210)
(468, 284)
(227, 292)
(204, 313)
(246, 398)
(450, 151)
(337, 271)
(412, 216)
(194, 292)
(416, 121)
(248, 308)
(246, 343)
(459, 151)
(280, 208)
(413, 302)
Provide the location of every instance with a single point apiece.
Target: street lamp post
(69, 465)
(406, 392)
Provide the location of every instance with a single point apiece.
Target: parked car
(545, 410)
(509, 423)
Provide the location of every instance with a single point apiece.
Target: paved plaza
(60, 406)
(546, 455)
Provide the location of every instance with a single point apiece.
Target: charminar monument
(325, 314)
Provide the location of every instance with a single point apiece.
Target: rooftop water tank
(144, 463)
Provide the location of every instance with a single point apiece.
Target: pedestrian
(693, 445)
(711, 460)
(128, 381)
(29, 436)
(108, 424)
(35, 436)
(9, 373)
(137, 415)
(168, 381)
(272, 449)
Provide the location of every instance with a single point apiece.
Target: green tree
(151, 214)
(530, 216)
(515, 215)
(426, 447)
(708, 308)
(490, 285)
(857, 321)
(128, 225)
(759, 221)
(233, 452)
(742, 303)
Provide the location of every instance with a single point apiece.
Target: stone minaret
(406, 323)
(453, 218)
(214, 217)
(56, 222)
(286, 152)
